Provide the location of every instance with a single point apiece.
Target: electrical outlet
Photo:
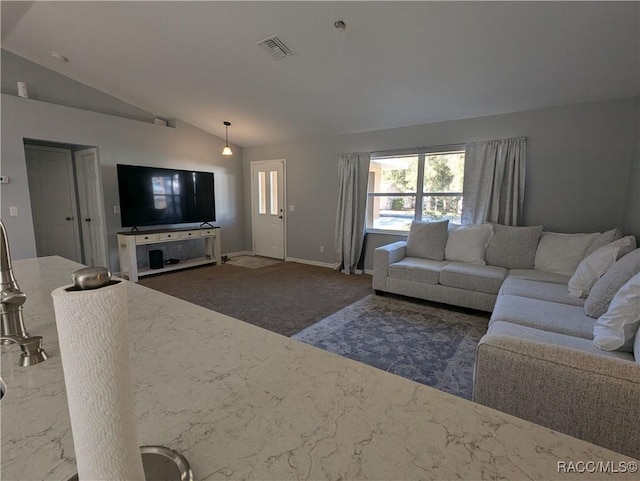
(13, 211)
(116, 209)
(321, 248)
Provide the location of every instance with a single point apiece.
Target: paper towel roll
(94, 346)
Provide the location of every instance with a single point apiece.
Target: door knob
(88, 219)
(279, 217)
(69, 218)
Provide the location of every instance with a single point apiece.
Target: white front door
(91, 207)
(268, 198)
(53, 202)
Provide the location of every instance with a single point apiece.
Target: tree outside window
(423, 186)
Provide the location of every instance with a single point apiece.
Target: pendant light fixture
(227, 149)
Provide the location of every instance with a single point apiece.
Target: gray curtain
(494, 174)
(353, 175)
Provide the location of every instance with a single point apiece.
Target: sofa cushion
(467, 243)
(606, 287)
(473, 277)
(501, 328)
(561, 253)
(513, 247)
(616, 329)
(545, 291)
(541, 276)
(427, 240)
(417, 269)
(544, 315)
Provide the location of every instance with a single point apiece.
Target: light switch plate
(4, 179)
(13, 211)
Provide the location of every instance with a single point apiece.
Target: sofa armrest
(382, 257)
(590, 396)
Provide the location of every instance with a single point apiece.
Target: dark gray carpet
(284, 297)
(422, 341)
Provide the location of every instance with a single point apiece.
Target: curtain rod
(416, 150)
(433, 148)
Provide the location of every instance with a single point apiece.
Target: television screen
(159, 196)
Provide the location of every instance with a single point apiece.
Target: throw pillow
(627, 244)
(513, 247)
(467, 243)
(561, 253)
(591, 269)
(606, 287)
(595, 265)
(602, 240)
(427, 240)
(616, 329)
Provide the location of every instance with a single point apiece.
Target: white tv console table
(129, 241)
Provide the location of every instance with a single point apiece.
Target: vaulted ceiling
(394, 64)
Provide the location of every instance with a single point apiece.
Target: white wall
(119, 140)
(579, 162)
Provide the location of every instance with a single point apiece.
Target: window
(425, 186)
(272, 192)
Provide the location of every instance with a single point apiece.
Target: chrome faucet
(11, 301)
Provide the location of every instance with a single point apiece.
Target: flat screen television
(159, 196)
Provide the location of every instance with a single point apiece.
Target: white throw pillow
(561, 253)
(616, 329)
(591, 269)
(467, 243)
(626, 244)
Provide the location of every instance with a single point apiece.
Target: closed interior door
(53, 202)
(267, 181)
(91, 207)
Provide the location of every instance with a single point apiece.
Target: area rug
(252, 262)
(426, 342)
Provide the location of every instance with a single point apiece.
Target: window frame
(419, 194)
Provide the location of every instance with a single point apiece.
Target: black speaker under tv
(160, 196)
(156, 259)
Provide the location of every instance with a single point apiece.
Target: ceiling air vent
(276, 48)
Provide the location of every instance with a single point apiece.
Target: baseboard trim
(324, 264)
(311, 263)
(294, 259)
(239, 253)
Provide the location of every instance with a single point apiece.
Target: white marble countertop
(240, 402)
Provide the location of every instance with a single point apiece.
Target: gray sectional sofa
(538, 360)
(460, 278)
